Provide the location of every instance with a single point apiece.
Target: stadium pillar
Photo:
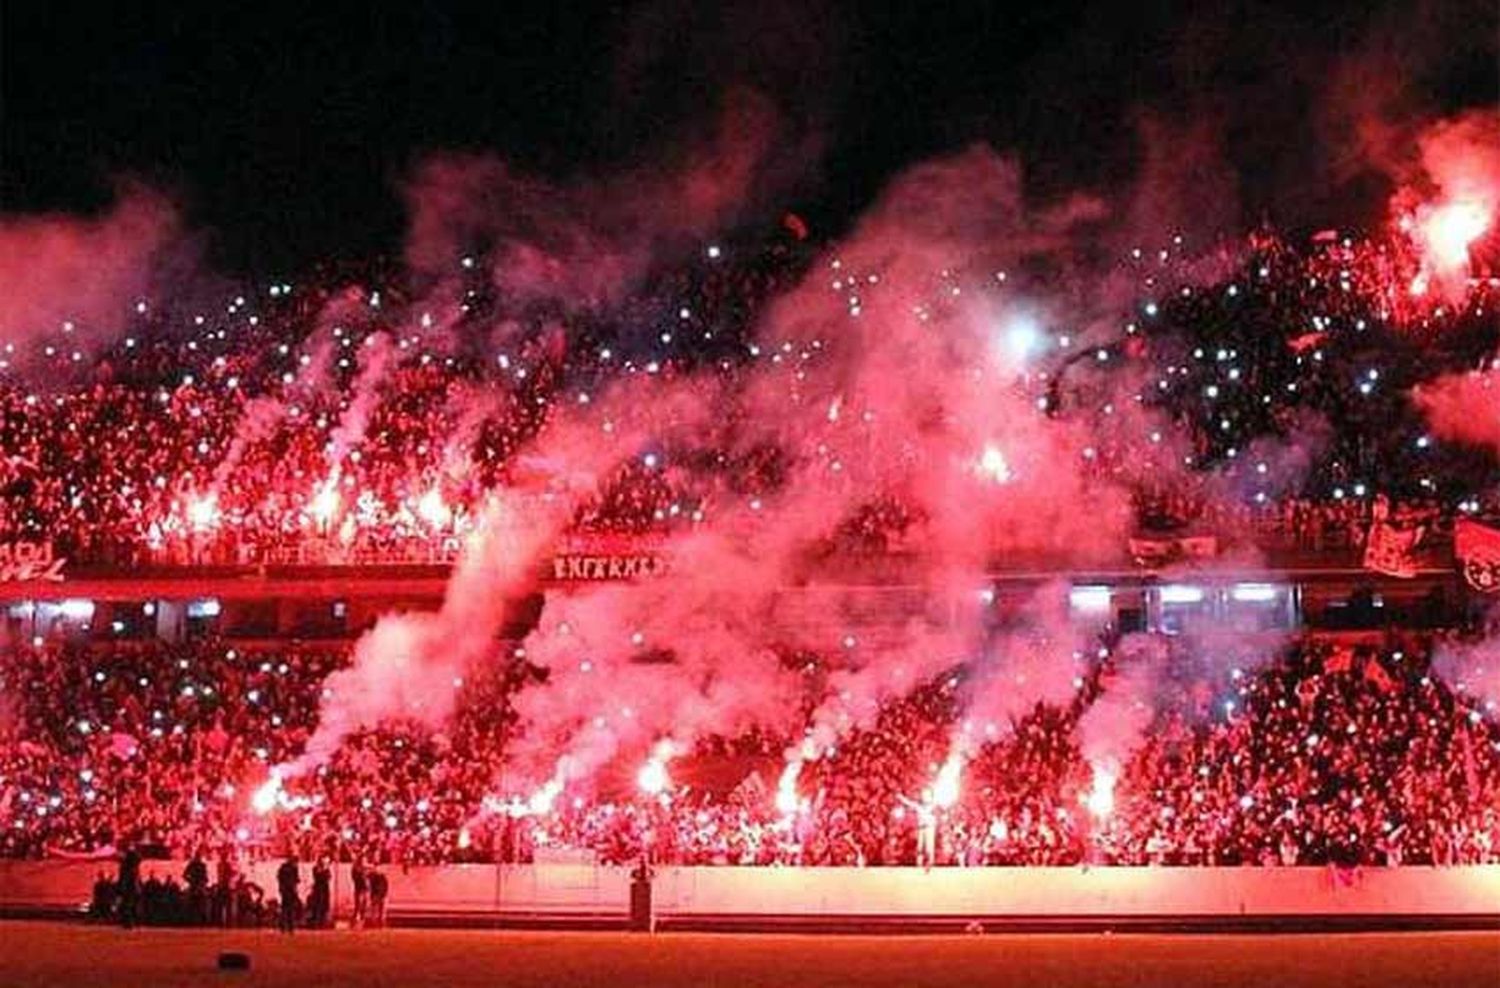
(171, 619)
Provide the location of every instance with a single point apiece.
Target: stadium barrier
(562, 890)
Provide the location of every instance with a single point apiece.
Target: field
(61, 955)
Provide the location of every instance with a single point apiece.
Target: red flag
(1305, 342)
(1376, 674)
(1340, 660)
(1477, 547)
(1389, 549)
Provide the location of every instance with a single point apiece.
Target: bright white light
(325, 504)
(76, 610)
(205, 608)
(945, 787)
(1089, 598)
(992, 462)
(787, 799)
(1100, 800)
(652, 778)
(433, 510)
(541, 801)
(1176, 593)
(1448, 230)
(1022, 337)
(265, 798)
(203, 512)
(1254, 593)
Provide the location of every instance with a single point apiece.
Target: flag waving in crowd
(1477, 547)
(1390, 549)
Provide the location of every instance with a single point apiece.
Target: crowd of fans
(1319, 754)
(308, 425)
(338, 422)
(342, 421)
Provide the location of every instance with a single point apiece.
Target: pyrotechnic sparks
(787, 799)
(1452, 208)
(434, 510)
(1100, 799)
(823, 430)
(203, 513)
(541, 802)
(1022, 338)
(652, 778)
(268, 795)
(945, 788)
(325, 503)
(1448, 231)
(994, 465)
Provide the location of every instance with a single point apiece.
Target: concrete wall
(1032, 892)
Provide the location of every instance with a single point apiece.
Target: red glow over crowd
(1319, 754)
(306, 426)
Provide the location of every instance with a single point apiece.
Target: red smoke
(878, 377)
(892, 373)
(1451, 204)
(89, 272)
(581, 243)
(1464, 407)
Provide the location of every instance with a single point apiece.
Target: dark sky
(284, 133)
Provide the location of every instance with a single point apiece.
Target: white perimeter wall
(1135, 892)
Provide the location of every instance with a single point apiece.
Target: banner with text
(578, 567)
(25, 562)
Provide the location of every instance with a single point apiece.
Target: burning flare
(1100, 800)
(653, 778)
(325, 503)
(266, 798)
(203, 513)
(434, 511)
(787, 800)
(1450, 230)
(945, 788)
(993, 464)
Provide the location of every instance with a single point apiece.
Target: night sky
(284, 134)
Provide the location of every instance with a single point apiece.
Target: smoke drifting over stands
(970, 377)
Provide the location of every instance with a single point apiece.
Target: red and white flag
(1388, 549)
(1477, 547)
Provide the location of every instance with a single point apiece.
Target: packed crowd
(307, 425)
(1307, 345)
(342, 421)
(1321, 754)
